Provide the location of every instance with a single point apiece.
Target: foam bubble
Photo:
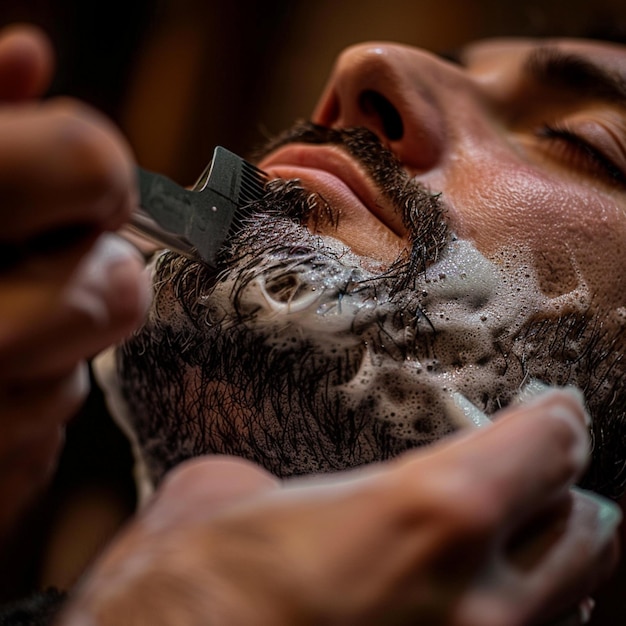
(416, 348)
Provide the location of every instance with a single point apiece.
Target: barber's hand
(479, 531)
(66, 291)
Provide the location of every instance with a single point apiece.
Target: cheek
(573, 235)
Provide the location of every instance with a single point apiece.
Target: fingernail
(608, 514)
(469, 411)
(535, 388)
(108, 252)
(114, 247)
(532, 389)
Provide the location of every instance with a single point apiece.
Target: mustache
(423, 212)
(215, 334)
(276, 248)
(361, 143)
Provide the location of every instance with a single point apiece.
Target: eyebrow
(576, 74)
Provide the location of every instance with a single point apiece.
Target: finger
(582, 558)
(61, 164)
(52, 326)
(29, 408)
(519, 465)
(26, 62)
(26, 471)
(547, 585)
(198, 489)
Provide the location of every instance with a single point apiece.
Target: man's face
(442, 229)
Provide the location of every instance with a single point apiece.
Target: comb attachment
(198, 222)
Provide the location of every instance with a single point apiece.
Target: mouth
(360, 216)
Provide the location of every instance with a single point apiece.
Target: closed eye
(580, 153)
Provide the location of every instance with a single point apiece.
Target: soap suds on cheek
(414, 348)
(306, 358)
(573, 229)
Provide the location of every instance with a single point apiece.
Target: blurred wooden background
(181, 76)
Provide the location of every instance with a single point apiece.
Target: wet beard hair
(304, 358)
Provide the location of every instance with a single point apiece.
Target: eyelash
(578, 147)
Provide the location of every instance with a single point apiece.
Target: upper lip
(313, 164)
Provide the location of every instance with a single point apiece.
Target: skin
(237, 533)
(530, 171)
(223, 543)
(63, 170)
(506, 186)
(503, 183)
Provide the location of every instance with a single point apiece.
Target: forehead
(509, 50)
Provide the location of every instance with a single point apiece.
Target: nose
(390, 90)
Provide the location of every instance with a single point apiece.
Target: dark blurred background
(179, 77)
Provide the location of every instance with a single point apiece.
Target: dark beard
(303, 402)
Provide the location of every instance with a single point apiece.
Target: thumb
(26, 62)
(200, 488)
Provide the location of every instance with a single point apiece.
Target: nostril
(374, 104)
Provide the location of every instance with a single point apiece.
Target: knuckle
(56, 400)
(92, 148)
(461, 508)
(472, 513)
(469, 507)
